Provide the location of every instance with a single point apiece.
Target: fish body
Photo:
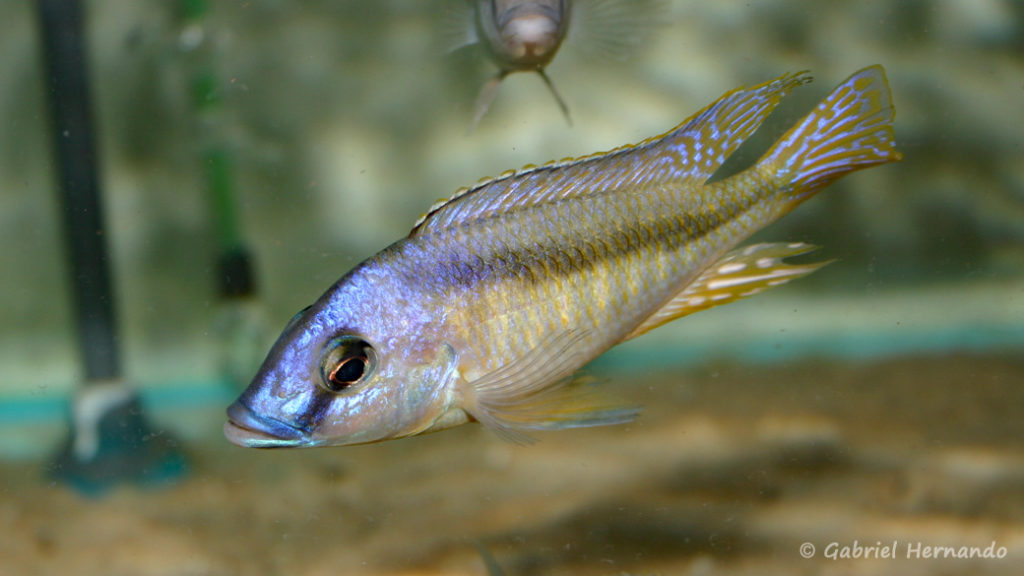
(525, 35)
(522, 35)
(499, 294)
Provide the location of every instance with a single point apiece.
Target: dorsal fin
(686, 155)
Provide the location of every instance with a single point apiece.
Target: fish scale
(633, 258)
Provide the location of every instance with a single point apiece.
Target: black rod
(82, 210)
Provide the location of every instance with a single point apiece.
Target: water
(874, 401)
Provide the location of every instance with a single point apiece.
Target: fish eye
(347, 360)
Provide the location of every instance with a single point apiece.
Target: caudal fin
(851, 129)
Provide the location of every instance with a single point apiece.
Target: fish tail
(851, 129)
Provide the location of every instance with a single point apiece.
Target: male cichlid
(498, 295)
(525, 35)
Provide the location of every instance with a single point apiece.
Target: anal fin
(741, 273)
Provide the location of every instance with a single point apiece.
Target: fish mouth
(250, 430)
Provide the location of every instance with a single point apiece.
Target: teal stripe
(155, 396)
(631, 357)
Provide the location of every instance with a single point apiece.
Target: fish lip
(250, 430)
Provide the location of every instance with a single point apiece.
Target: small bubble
(191, 37)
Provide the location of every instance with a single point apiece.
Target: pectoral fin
(741, 273)
(537, 392)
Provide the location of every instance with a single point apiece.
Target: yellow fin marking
(741, 273)
(686, 155)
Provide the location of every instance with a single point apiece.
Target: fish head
(332, 379)
(524, 34)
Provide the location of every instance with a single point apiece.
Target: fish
(525, 36)
(499, 295)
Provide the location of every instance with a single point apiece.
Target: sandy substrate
(731, 470)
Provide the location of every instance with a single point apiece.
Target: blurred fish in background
(525, 35)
